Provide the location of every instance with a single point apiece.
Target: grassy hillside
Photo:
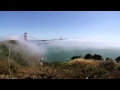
(85, 61)
(18, 53)
(63, 70)
(18, 67)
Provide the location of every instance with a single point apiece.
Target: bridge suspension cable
(33, 37)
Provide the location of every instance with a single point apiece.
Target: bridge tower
(25, 36)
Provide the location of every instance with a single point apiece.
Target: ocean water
(60, 55)
(63, 50)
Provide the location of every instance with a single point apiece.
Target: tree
(76, 57)
(97, 57)
(92, 57)
(73, 57)
(118, 59)
(79, 56)
(107, 59)
(88, 56)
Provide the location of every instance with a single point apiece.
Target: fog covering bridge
(30, 38)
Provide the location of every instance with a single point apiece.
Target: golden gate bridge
(28, 37)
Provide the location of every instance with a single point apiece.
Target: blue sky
(91, 25)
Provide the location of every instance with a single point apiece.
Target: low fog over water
(63, 50)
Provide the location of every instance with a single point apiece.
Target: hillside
(22, 66)
(19, 52)
(85, 61)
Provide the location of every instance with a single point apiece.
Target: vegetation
(88, 56)
(75, 57)
(118, 59)
(89, 67)
(95, 57)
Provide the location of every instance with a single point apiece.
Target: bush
(75, 57)
(118, 59)
(97, 57)
(88, 56)
(109, 65)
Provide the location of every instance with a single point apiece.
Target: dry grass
(4, 69)
(84, 68)
(36, 72)
(85, 61)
